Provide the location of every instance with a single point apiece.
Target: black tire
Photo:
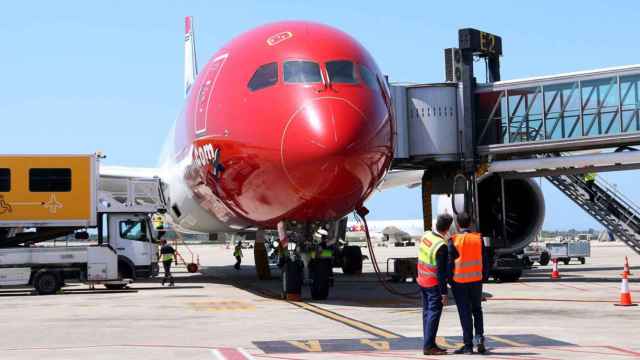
(352, 260)
(292, 273)
(509, 276)
(566, 261)
(582, 260)
(125, 271)
(545, 258)
(320, 278)
(46, 283)
(115, 286)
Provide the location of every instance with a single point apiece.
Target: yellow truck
(47, 197)
(48, 190)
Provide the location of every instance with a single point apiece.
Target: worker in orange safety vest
(466, 264)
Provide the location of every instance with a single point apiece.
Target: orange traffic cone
(625, 294)
(555, 274)
(626, 272)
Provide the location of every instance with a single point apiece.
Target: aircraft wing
(396, 178)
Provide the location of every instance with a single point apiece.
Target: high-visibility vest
(468, 265)
(326, 253)
(167, 257)
(237, 252)
(589, 176)
(427, 266)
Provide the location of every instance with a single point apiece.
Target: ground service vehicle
(579, 250)
(46, 197)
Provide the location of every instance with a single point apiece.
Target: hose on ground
(383, 281)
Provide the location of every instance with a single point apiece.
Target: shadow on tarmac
(349, 290)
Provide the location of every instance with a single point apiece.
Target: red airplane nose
(325, 149)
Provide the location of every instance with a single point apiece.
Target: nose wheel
(292, 274)
(321, 274)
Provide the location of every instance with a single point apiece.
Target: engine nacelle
(524, 209)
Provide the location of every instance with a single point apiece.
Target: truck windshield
(133, 230)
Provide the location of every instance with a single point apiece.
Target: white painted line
(246, 354)
(216, 354)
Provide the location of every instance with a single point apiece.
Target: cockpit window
(368, 77)
(302, 72)
(265, 76)
(341, 71)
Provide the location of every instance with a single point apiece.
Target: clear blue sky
(81, 76)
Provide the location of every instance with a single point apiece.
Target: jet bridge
(557, 126)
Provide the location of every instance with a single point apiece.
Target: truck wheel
(46, 283)
(566, 261)
(321, 278)
(544, 258)
(291, 279)
(352, 260)
(123, 271)
(582, 260)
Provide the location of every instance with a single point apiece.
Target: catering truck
(49, 197)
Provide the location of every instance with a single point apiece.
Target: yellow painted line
(506, 341)
(356, 324)
(380, 345)
(309, 346)
(442, 342)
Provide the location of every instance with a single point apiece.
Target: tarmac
(221, 313)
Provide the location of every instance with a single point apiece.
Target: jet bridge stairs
(609, 207)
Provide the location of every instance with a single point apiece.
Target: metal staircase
(609, 207)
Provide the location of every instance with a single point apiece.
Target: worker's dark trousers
(238, 262)
(167, 271)
(469, 303)
(431, 311)
(592, 194)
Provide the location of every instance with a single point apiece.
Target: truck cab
(132, 237)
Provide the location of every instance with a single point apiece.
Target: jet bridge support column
(427, 209)
(473, 43)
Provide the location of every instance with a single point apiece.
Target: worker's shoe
(464, 350)
(479, 340)
(434, 350)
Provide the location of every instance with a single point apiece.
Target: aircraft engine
(524, 209)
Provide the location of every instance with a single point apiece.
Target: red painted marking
(552, 300)
(525, 284)
(557, 348)
(231, 354)
(628, 352)
(572, 287)
(384, 354)
(276, 357)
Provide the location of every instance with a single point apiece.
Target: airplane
(288, 126)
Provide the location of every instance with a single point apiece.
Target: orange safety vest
(427, 266)
(468, 265)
